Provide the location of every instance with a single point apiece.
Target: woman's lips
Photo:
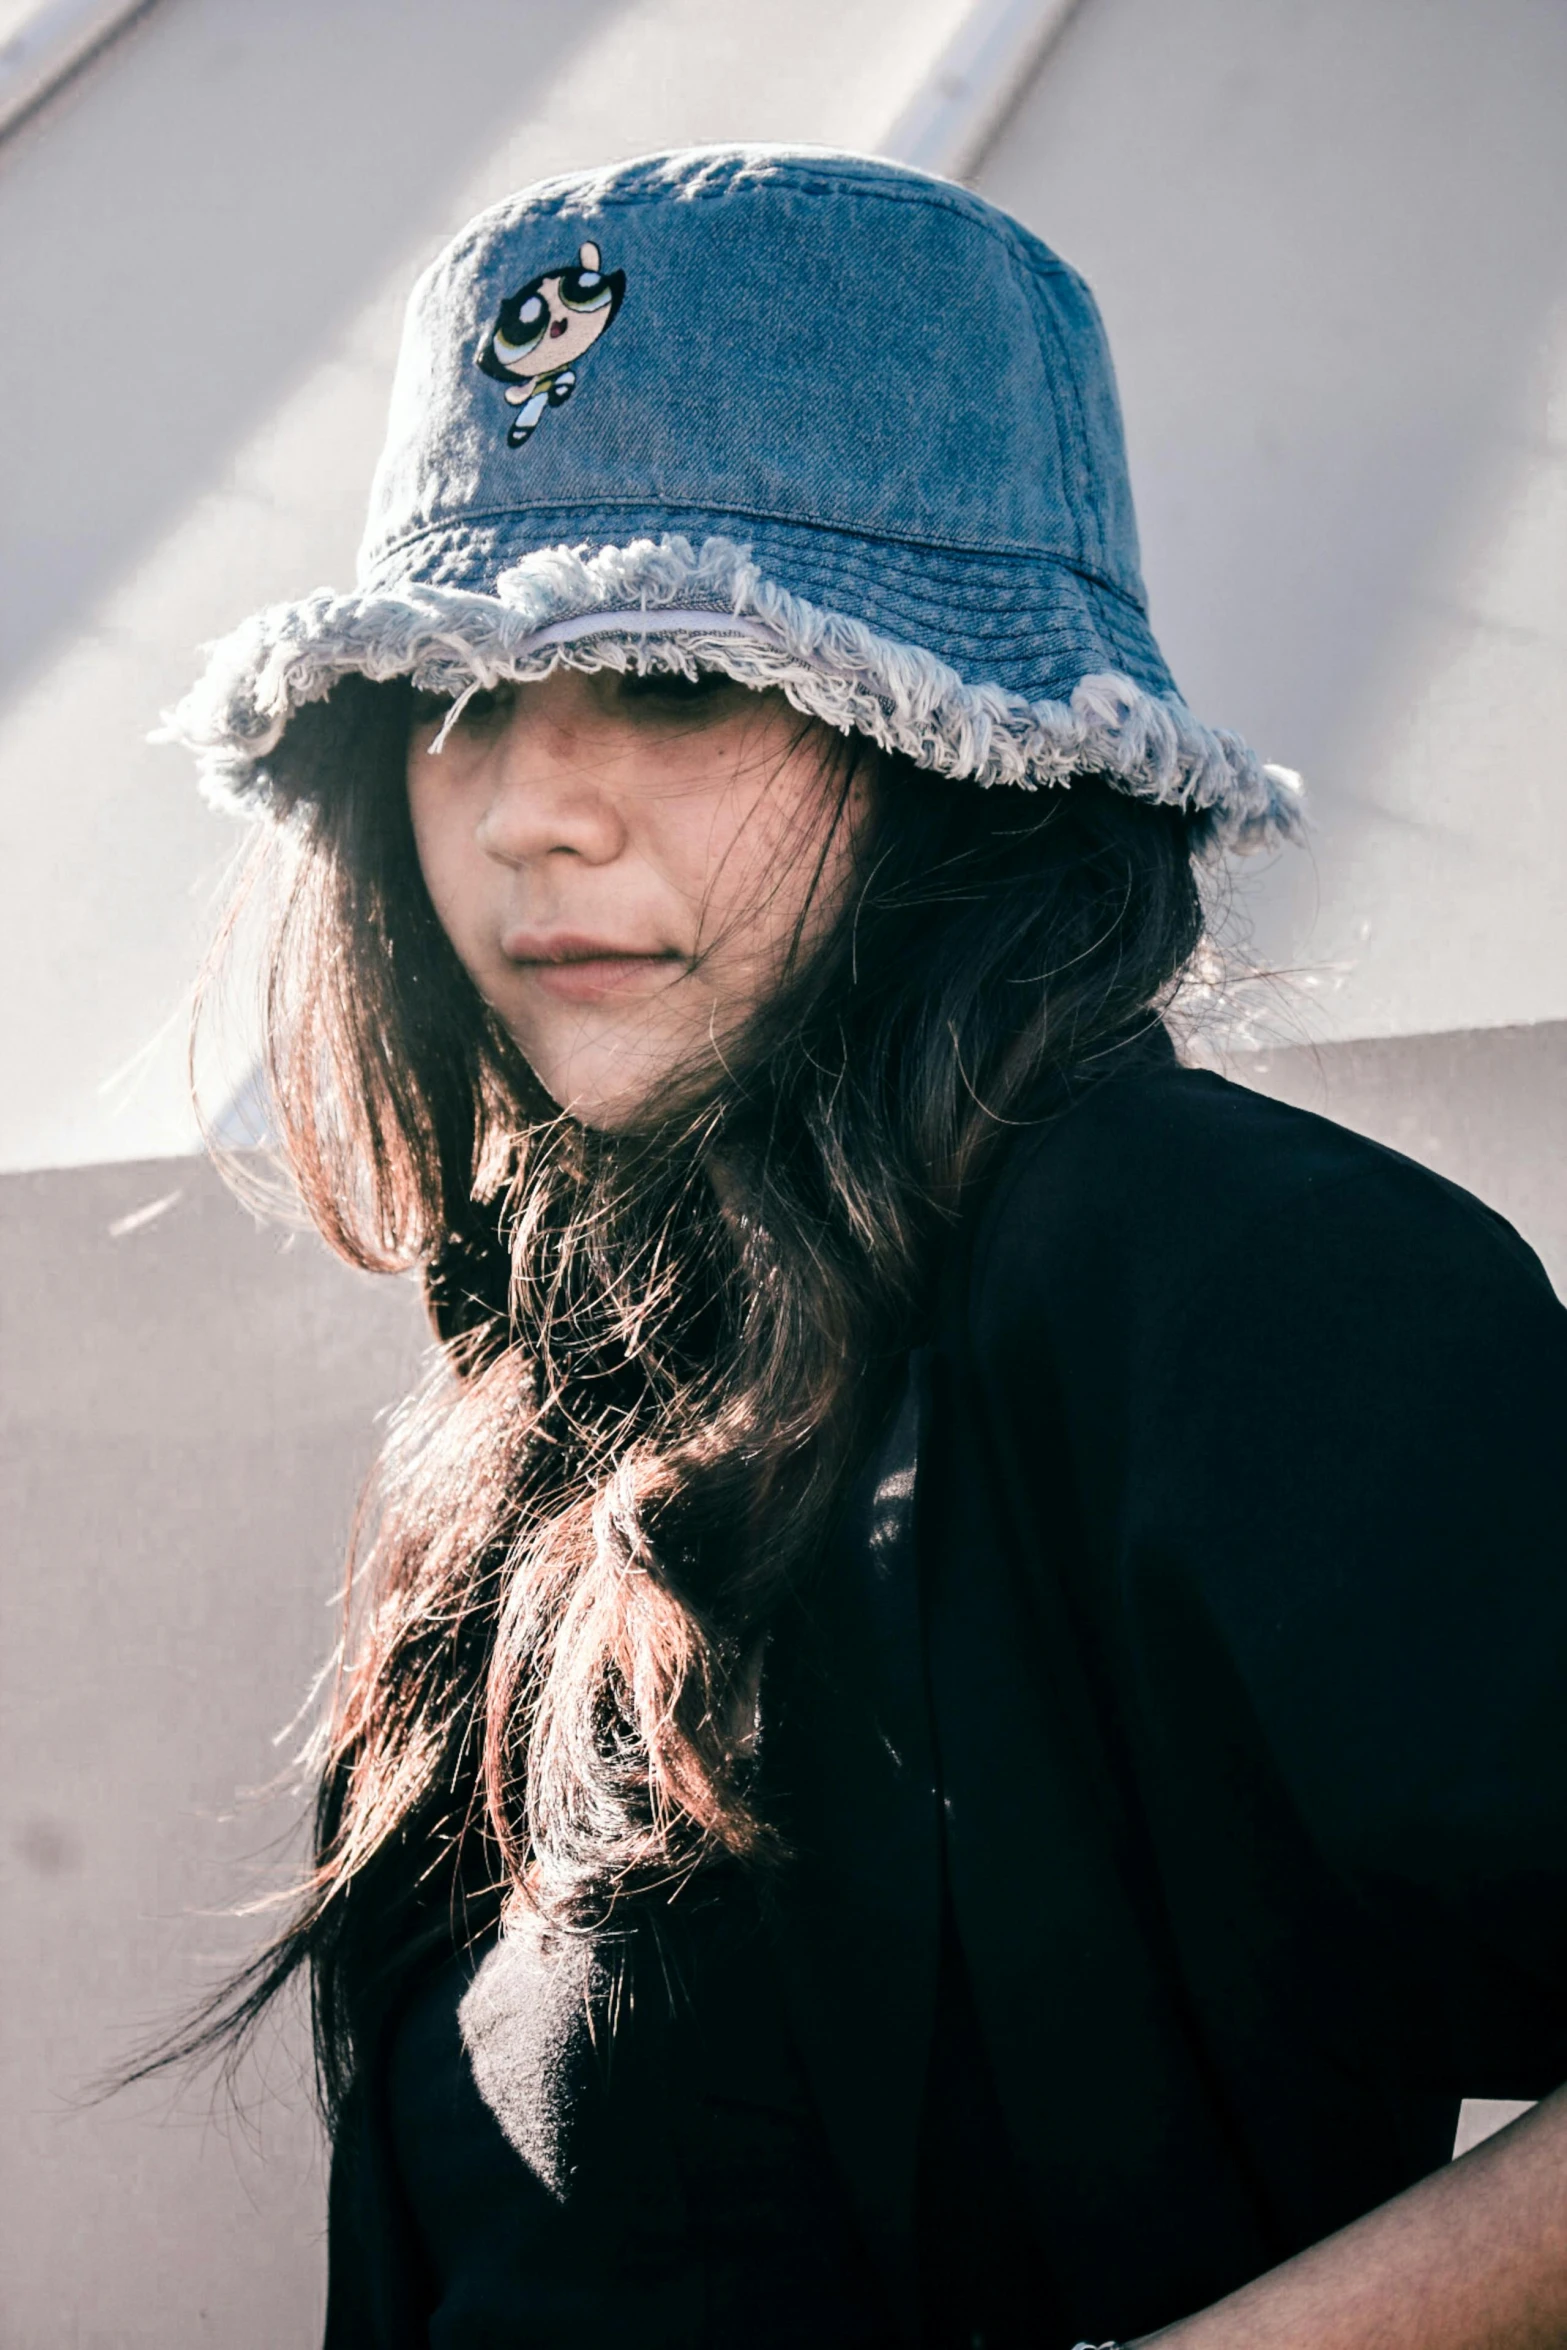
(582, 970)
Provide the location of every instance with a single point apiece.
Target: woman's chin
(625, 1100)
(612, 1100)
(616, 1074)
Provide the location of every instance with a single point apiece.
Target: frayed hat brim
(666, 604)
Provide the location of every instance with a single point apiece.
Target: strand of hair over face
(667, 1350)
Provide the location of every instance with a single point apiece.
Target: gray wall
(1329, 238)
(189, 1409)
(1486, 1107)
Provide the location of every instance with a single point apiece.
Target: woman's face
(625, 866)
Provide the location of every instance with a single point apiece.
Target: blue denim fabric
(854, 414)
(894, 395)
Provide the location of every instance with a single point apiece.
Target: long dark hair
(665, 1350)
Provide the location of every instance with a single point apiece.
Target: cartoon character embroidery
(542, 331)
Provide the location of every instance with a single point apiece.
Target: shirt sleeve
(1316, 1461)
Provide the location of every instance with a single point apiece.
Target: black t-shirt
(1247, 1626)
(602, 2147)
(1198, 1811)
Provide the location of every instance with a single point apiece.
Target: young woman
(954, 1727)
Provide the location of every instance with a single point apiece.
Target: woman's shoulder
(1287, 1356)
(1164, 1189)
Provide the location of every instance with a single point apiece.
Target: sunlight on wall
(111, 869)
(1442, 872)
(1337, 302)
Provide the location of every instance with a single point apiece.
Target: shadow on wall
(184, 283)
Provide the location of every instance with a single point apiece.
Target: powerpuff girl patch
(544, 329)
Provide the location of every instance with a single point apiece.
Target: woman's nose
(549, 795)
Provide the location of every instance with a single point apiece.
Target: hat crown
(769, 333)
(834, 427)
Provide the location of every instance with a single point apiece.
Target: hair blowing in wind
(665, 1348)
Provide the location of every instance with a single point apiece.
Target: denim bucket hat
(816, 420)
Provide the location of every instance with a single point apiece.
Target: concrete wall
(1487, 1107)
(190, 1404)
(1330, 241)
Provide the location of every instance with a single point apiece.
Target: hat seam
(1063, 371)
(1018, 629)
(869, 538)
